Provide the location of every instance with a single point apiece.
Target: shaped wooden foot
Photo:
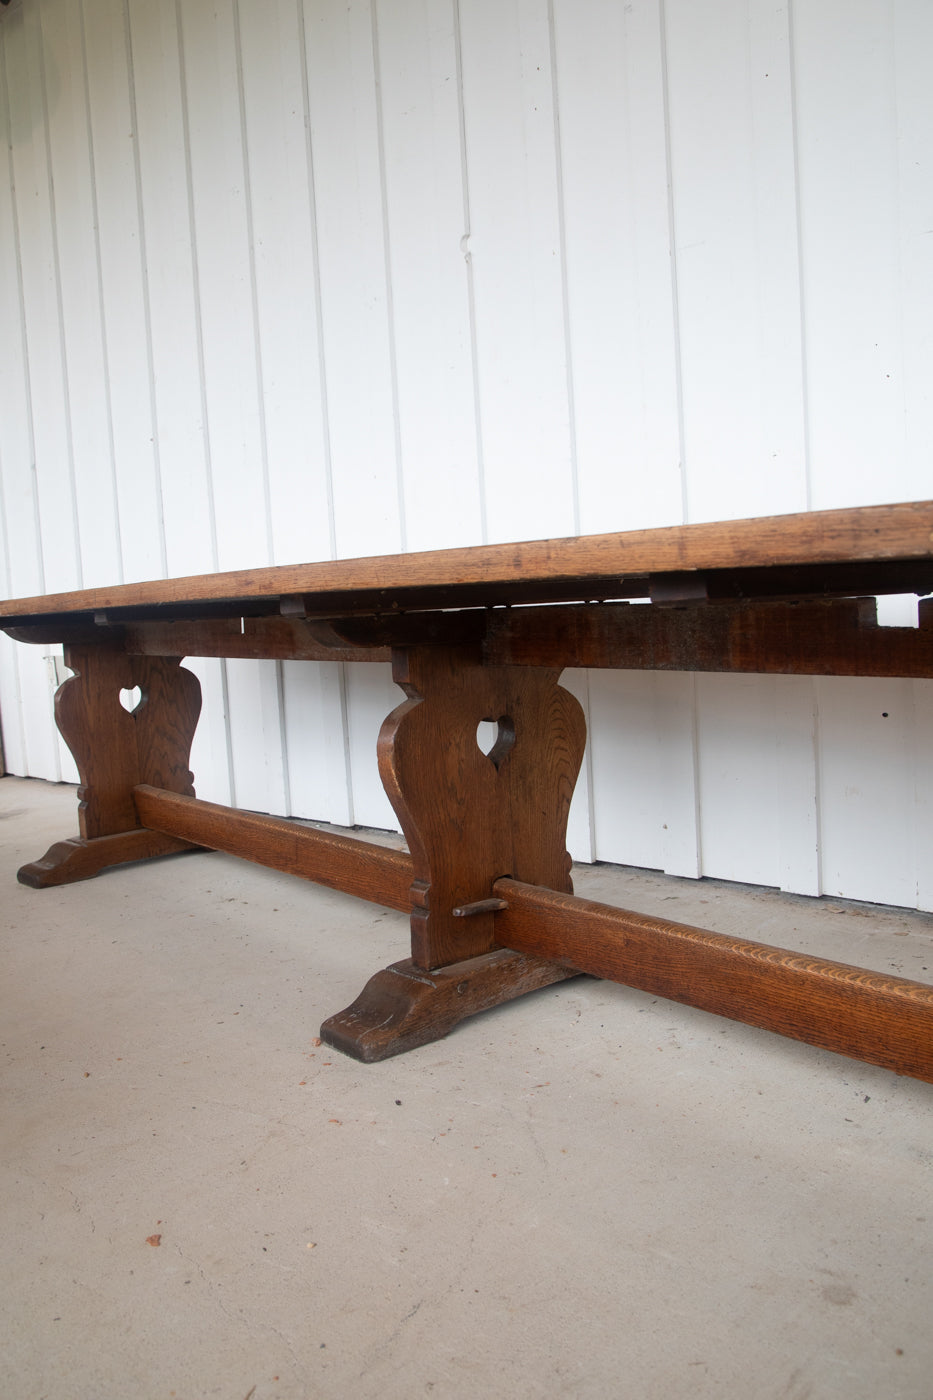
(79, 859)
(114, 749)
(403, 1007)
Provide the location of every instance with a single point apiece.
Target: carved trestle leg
(114, 750)
(469, 818)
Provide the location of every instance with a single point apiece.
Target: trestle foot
(81, 858)
(403, 1006)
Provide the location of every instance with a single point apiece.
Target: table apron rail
(838, 637)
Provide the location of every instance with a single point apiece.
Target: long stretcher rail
(361, 868)
(870, 1016)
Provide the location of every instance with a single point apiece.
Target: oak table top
(867, 549)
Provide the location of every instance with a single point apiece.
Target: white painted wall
(292, 279)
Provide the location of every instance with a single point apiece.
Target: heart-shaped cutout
(131, 699)
(495, 737)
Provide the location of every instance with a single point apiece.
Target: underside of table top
(871, 549)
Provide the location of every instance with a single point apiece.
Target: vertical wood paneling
(757, 795)
(315, 721)
(426, 223)
(288, 279)
(644, 775)
(514, 248)
(354, 294)
(913, 104)
(225, 283)
(11, 717)
(232, 368)
(739, 827)
(358, 349)
(734, 212)
(211, 750)
(285, 271)
(173, 291)
(855, 231)
(175, 347)
(869, 815)
(38, 264)
(34, 450)
(294, 415)
(256, 730)
(580, 823)
(797, 791)
(313, 770)
(620, 291)
(89, 418)
(19, 545)
(372, 695)
(923, 787)
(124, 290)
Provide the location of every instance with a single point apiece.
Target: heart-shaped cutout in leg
(495, 738)
(131, 699)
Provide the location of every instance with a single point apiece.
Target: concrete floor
(588, 1193)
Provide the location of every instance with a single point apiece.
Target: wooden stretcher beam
(882, 1020)
(871, 1016)
(340, 862)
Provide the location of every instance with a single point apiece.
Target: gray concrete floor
(588, 1193)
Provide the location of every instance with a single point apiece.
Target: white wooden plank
(371, 697)
(225, 284)
(256, 731)
(849, 170)
(124, 299)
(354, 294)
(316, 745)
(34, 454)
(580, 823)
(11, 717)
(275, 105)
(174, 328)
(868, 795)
(286, 275)
(170, 273)
(732, 173)
(88, 383)
(923, 787)
(20, 560)
(515, 252)
(37, 690)
(739, 822)
(210, 752)
(913, 45)
(644, 779)
(424, 180)
(46, 405)
(797, 785)
(757, 789)
(220, 177)
(57, 673)
(620, 291)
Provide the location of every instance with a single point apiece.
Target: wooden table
(487, 882)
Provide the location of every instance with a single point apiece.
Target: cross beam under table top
(483, 634)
